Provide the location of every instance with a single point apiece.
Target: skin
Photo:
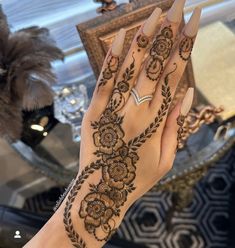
(156, 154)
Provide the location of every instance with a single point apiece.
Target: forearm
(66, 225)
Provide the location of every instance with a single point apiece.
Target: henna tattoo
(152, 128)
(112, 67)
(180, 122)
(118, 172)
(159, 53)
(142, 41)
(186, 47)
(117, 161)
(117, 100)
(74, 237)
(103, 202)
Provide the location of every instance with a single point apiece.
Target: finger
(160, 51)
(171, 132)
(105, 81)
(174, 70)
(133, 61)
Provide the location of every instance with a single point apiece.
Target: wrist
(89, 211)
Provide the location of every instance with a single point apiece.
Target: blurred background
(193, 205)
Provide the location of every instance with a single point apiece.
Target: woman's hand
(129, 138)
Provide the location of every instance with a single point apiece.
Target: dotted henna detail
(180, 122)
(186, 47)
(159, 52)
(117, 101)
(142, 41)
(74, 237)
(104, 200)
(117, 162)
(111, 68)
(137, 142)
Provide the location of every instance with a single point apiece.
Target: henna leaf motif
(117, 160)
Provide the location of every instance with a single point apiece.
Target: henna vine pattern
(159, 52)
(112, 67)
(186, 47)
(117, 161)
(74, 237)
(117, 101)
(142, 41)
(180, 122)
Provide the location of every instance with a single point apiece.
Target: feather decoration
(26, 74)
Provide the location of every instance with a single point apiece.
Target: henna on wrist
(142, 41)
(117, 160)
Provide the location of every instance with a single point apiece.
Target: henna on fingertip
(159, 53)
(146, 32)
(189, 35)
(184, 110)
(112, 61)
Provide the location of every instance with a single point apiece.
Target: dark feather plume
(25, 73)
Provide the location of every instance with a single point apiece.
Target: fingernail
(118, 42)
(187, 102)
(191, 27)
(151, 23)
(176, 11)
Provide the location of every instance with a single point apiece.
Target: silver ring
(138, 99)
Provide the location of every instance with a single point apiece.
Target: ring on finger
(138, 99)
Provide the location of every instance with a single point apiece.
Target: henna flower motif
(161, 47)
(118, 196)
(113, 63)
(142, 41)
(123, 151)
(154, 68)
(159, 52)
(167, 32)
(97, 210)
(185, 48)
(108, 117)
(119, 171)
(123, 86)
(108, 138)
(112, 66)
(107, 74)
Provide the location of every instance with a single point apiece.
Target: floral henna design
(96, 209)
(112, 67)
(108, 137)
(186, 47)
(137, 142)
(159, 52)
(117, 101)
(180, 122)
(117, 162)
(74, 237)
(142, 41)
